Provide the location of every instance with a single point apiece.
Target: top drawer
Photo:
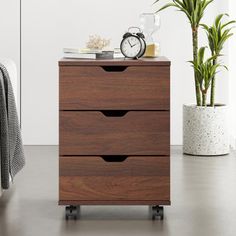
(114, 87)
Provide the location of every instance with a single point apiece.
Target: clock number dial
(131, 47)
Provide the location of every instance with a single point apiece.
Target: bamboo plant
(194, 10)
(217, 35)
(205, 72)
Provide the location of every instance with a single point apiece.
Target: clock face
(131, 47)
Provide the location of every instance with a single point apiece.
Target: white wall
(50, 26)
(232, 76)
(46, 29)
(10, 34)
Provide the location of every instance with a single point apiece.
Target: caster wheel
(72, 212)
(157, 212)
(161, 213)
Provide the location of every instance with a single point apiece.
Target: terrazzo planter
(205, 130)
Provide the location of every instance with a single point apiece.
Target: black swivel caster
(72, 212)
(157, 211)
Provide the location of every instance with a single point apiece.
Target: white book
(77, 50)
(118, 55)
(103, 55)
(80, 55)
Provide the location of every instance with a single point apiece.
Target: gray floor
(203, 202)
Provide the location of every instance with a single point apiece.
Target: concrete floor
(203, 202)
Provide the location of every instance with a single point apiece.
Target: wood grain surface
(135, 88)
(159, 61)
(131, 166)
(114, 132)
(114, 188)
(136, 133)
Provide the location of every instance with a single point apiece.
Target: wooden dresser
(114, 138)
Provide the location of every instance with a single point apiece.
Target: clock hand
(133, 45)
(129, 43)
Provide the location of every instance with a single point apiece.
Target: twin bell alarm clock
(133, 44)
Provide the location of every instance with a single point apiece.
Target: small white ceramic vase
(205, 130)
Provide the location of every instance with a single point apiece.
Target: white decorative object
(205, 130)
(97, 42)
(150, 24)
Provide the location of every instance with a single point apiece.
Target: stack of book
(75, 53)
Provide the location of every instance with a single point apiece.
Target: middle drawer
(115, 133)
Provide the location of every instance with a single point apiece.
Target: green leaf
(218, 19)
(218, 33)
(228, 23)
(193, 9)
(205, 27)
(201, 54)
(166, 6)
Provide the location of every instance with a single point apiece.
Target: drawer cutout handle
(114, 158)
(114, 113)
(114, 68)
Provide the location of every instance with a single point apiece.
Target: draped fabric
(12, 158)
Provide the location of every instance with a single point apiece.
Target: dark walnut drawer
(114, 133)
(114, 87)
(114, 178)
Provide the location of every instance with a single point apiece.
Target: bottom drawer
(114, 178)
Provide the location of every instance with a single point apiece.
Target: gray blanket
(11, 149)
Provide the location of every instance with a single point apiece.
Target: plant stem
(204, 99)
(195, 56)
(213, 87)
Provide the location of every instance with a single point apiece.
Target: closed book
(80, 55)
(82, 50)
(103, 55)
(118, 56)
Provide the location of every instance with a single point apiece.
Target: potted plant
(205, 126)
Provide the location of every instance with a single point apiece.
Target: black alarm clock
(133, 44)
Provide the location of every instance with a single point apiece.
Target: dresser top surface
(159, 61)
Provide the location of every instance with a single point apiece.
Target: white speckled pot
(205, 130)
